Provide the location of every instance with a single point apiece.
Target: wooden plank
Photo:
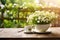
(14, 33)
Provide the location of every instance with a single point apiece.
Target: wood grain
(14, 33)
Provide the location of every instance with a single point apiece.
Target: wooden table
(14, 33)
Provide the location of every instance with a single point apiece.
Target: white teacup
(28, 28)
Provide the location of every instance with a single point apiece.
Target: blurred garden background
(13, 13)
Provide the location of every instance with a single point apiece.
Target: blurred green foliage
(10, 23)
(17, 9)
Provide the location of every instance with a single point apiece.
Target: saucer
(37, 32)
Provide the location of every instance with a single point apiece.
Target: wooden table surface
(14, 33)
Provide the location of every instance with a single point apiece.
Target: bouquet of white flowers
(41, 17)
